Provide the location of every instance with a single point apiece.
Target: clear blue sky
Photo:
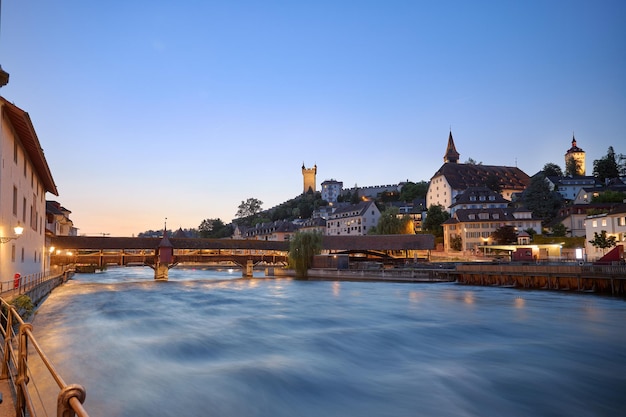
(182, 109)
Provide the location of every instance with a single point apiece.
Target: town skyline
(150, 111)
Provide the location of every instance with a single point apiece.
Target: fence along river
(210, 343)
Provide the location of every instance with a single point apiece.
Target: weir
(605, 279)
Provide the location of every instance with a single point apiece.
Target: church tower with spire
(577, 155)
(451, 156)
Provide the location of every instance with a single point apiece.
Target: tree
(540, 200)
(214, 228)
(302, 247)
(606, 167)
(504, 235)
(493, 183)
(390, 223)
(603, 241)
(552, 170)
(559, 230)
(435, 216)
(456, 243)
(609, 197)
(355, 198)
(411, 191)
(250, 207)
(572, 167)
(471, 161)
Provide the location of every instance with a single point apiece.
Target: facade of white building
(25, 178)
(613, 222)
(353, 220)
(475, 226)
(331, 190)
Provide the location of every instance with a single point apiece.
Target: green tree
(493, 183)
(552, 170)
(355, 198)
(607, 166)
(456, 243)
(602, 240)
(559, 230)
(250, 207)
(412, 191)
(572, 167)
(302, 247)
(388, 196)
(214, 228)
(609, 197)
(504, 235)
(540, 200)
(390, 223)
(435, 216)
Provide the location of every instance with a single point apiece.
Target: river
(209, 343)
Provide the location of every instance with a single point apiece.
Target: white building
(475, 226)
(25, 178)
(570, 187)
(453, 178)
(331, 190)
(353, 219)
(613, 222)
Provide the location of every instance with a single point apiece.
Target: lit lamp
(18, 230)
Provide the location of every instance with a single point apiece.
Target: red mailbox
(16, 280)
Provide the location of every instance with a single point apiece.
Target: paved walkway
(7, 408)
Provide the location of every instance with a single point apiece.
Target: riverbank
(389, 275)
(581, 278)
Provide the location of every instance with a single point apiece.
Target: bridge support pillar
(247, 272)
(161, 272)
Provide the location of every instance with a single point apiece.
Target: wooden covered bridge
(94, 251)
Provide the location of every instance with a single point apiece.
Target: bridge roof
(370, 242)
(379, 242)
(99, 242)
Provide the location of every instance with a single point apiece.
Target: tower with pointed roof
(451, 156)
(578, 155)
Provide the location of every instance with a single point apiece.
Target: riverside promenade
(18, 298)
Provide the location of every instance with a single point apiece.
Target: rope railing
(18, 345)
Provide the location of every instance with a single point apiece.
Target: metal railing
(18, 343)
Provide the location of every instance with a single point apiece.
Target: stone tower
(451, 156)
(578, 155)
(308, 174)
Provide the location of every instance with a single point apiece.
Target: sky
(181, 110)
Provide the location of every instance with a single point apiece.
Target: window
(15, 200)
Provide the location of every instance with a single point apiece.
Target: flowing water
(208, 343)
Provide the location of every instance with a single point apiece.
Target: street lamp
(18, 230)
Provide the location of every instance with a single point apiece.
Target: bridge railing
(18, 345)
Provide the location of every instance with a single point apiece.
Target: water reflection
(210, 343)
